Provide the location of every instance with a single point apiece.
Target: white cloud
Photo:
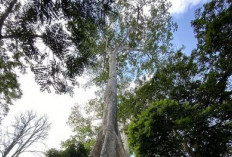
(181, 6)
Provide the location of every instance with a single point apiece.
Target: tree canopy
(195, 117)
(55, 39)
(71, 149)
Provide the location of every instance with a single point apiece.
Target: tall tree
(27, 129)
(135, 34)
(132, 40)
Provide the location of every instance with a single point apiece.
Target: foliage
(152, 134)
(52, 153)
(213, 31)
(85, 123)
(71, 150)
(9, 88)
(197, 118)
(176, 80)
(200, 122)
(140, 32)
(168, 128)
(196, 128)
(202, 78)
(44, 32)
(28, 129)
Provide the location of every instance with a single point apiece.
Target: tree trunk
(125, 143)
(109, 143)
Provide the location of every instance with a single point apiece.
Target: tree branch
(28, 129)
(127, 48)
(5, 15)
(123, 40)
(16, 37)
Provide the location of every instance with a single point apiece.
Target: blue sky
(184, 36)
(58, 107)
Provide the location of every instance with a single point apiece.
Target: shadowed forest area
(152, 100)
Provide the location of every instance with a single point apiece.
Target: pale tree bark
(125, 143)
(109, 143)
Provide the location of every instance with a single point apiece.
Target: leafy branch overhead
(56, 39)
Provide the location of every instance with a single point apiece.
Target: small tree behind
(27, 129)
